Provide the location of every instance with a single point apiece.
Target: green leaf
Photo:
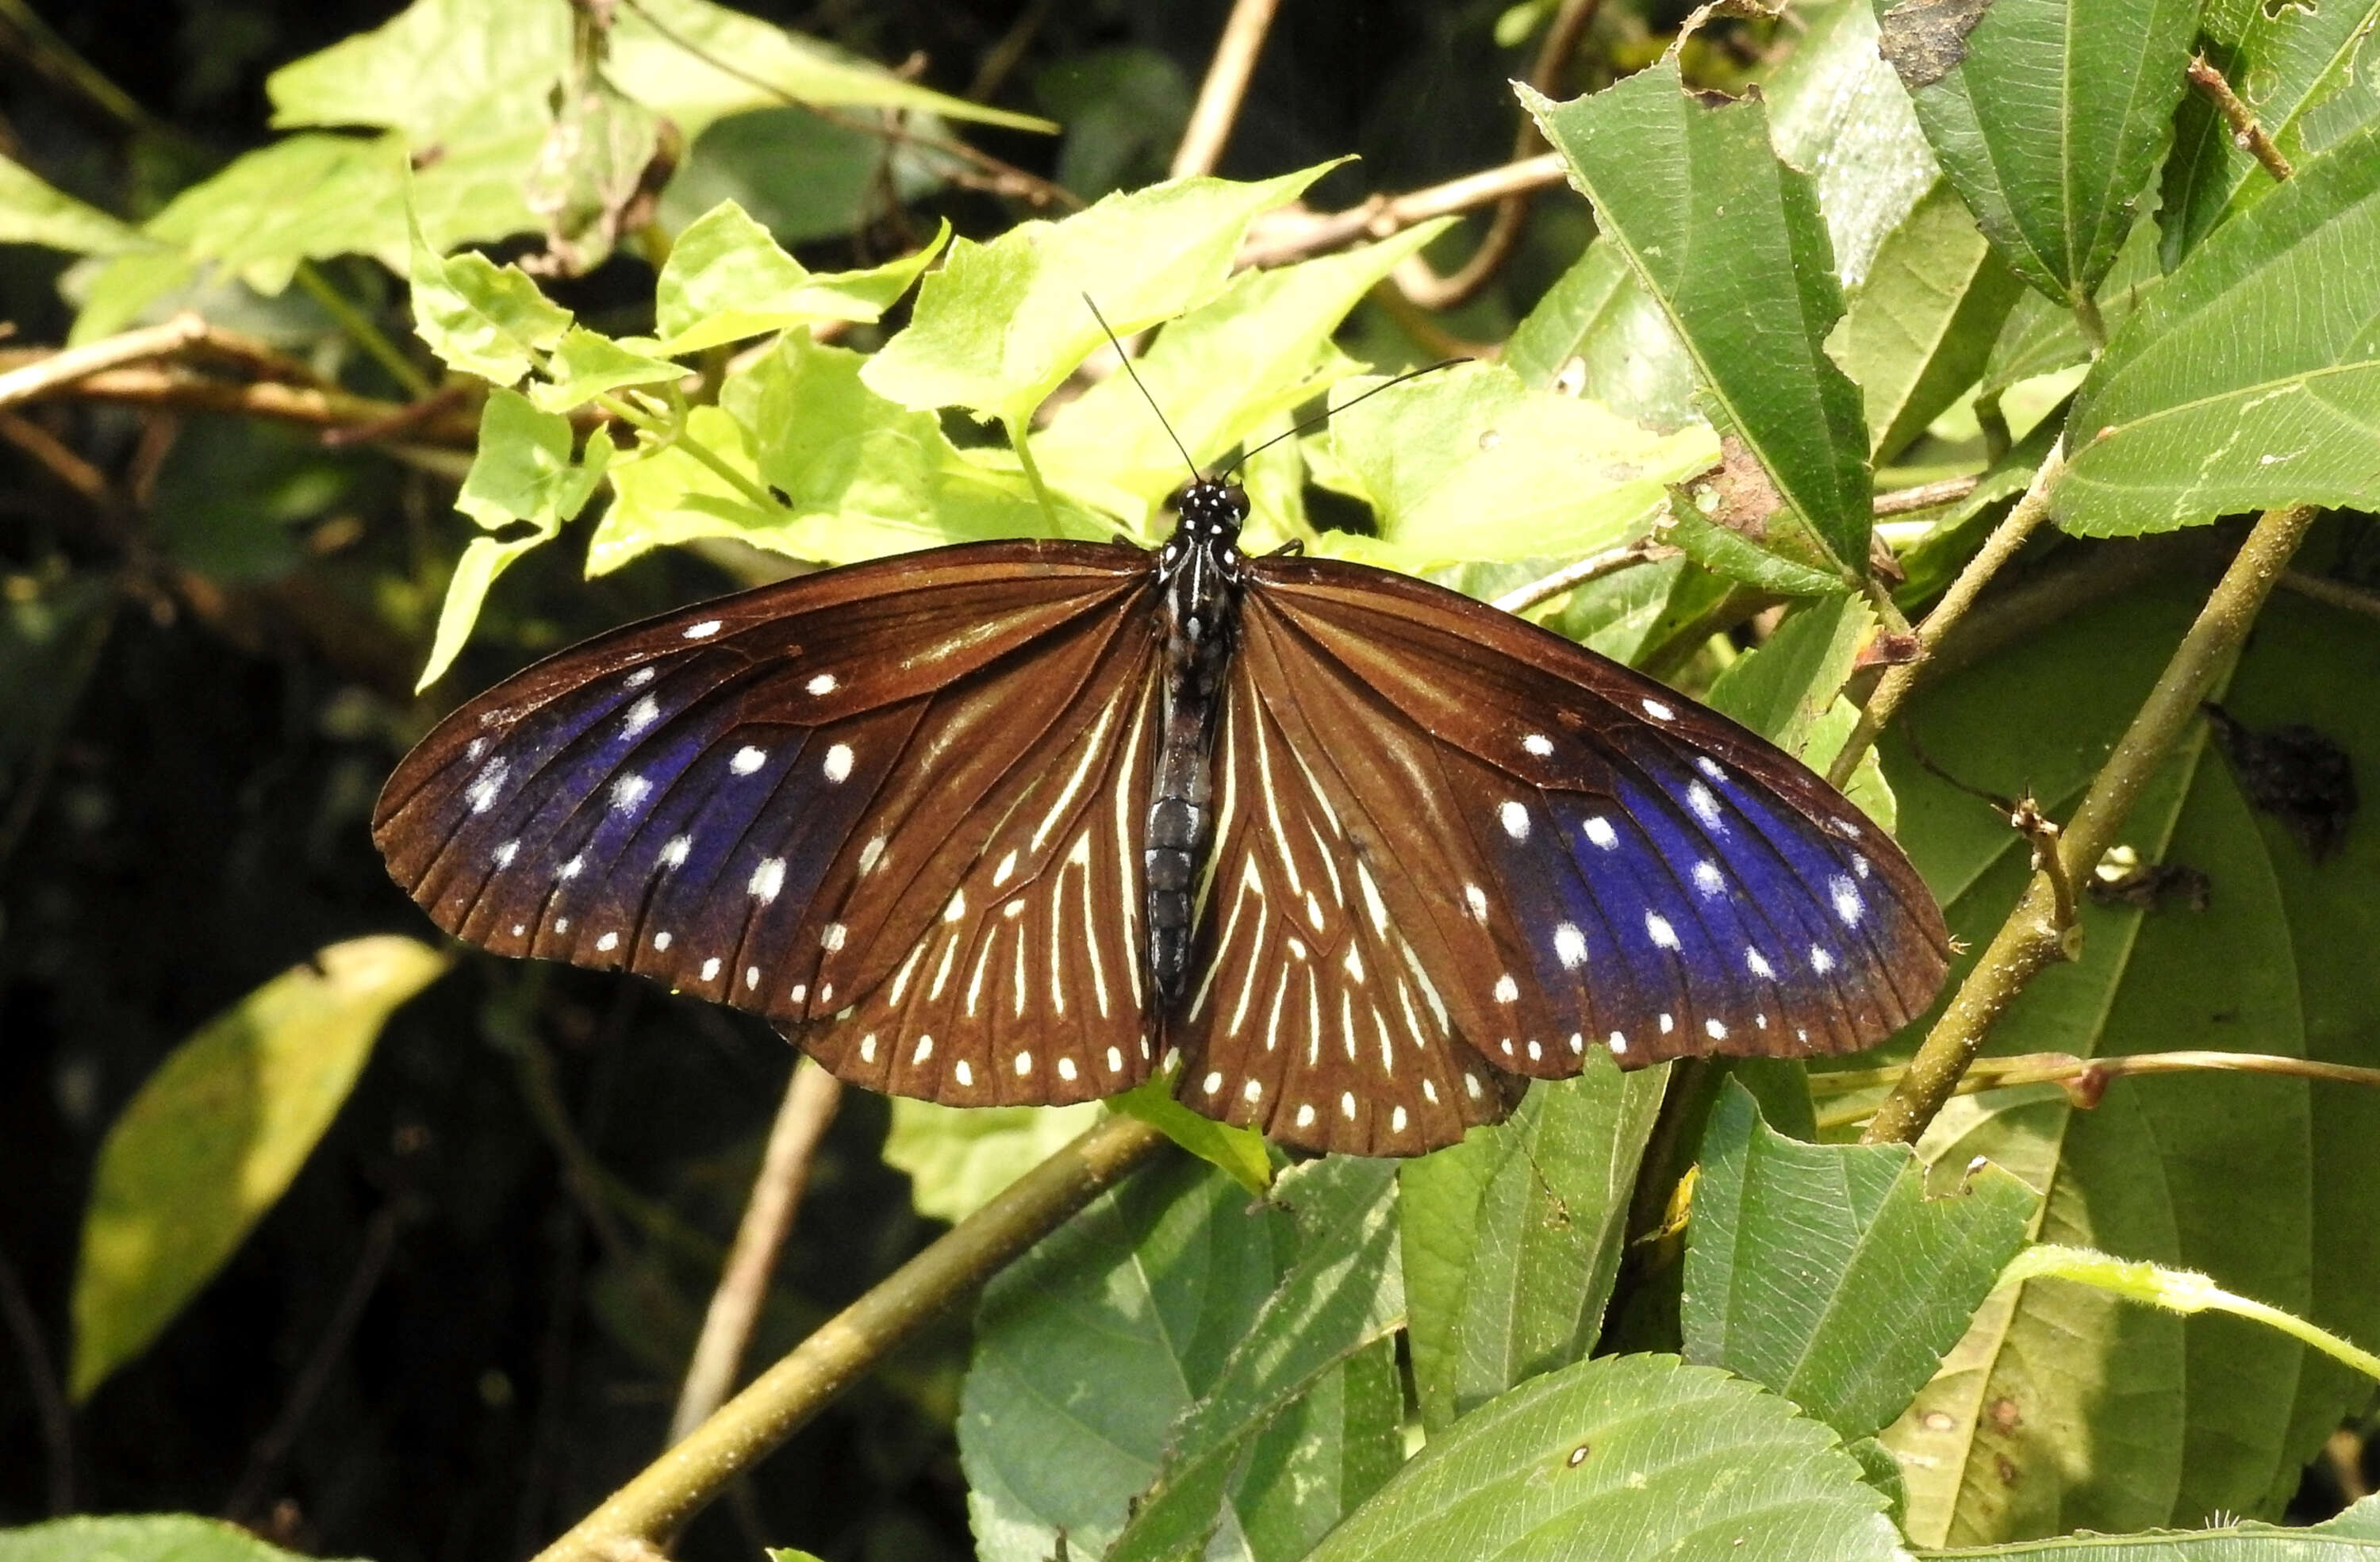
(1088, 1349)
(2047, 115)
(480, 317)
(1238, 1153)
(1920, 331)
(1729, 241)
(34, 213)
(522, 471)
(726, 279)
(586, 364)
(158, 1537)
(1342, 1293)
(2043, 337)
(2351, 1536)
(1324, 1456)
(1620, 1458)
(1001, 324)
(1471, 464)
(958, 1158)
(1511, 1237)
(1125, 109)
(304, 197)
(2063, 1408)
(1597, 334)
(800, 177)
(1783, 688)
(2287, 61)
(662, 497)
(212, 1139)
(1825, 1272)
(1728, 552)
(1220, 373)
(440, 61)
(1836, 108)
(590, 167)
(2252, 377)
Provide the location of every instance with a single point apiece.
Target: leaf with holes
(726, 279)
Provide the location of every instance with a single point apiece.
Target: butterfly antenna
(1196, 474)
(1329, 412)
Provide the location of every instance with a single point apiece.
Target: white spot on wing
(1476, 899)
(1717, 1028)
(1397, 1120)
(661, 939)
(711, 968)
(703, 630)
(486, 786)
(1757, 963)
(1658, 927)
(1306, 1116)
(964, 1074)
(1619, 1045)
(1599, 830)
(1515, 819)
(1848, 905)
(642, 714)
(1658, 711)
(629, 791)
(505, 853)
(1706, 807)
(1507, 991)
(1539, 744)
(639, 678)
(1212, 1082)
(831, 935)
(1710, 767)
(675, 854)
(1024, 1064)
(824, 684)
(1569, 946)
(768, 879)
(1821, 961)
(1707, 878)
(571, 868)
(838, 762)
(747, 759)
(608, 942)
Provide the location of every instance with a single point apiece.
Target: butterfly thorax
(1198, 575)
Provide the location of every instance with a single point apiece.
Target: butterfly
(1351, 856)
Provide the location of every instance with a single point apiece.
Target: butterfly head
(1212, 509)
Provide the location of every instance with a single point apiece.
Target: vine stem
(362, 331)
(1023, 449)
(675, 1487)
(1226, 85)
(2085, 1078)
(2031, 937)
(2001, 547)
(672, 431)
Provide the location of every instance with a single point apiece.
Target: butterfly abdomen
(1198, 573)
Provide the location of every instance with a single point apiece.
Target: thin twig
(449, 423)
(1226, 85)
(44, 376)
(812, 1097)
(682, 1481)
(1413, 277)
(1998, 550)
(1521, 598)
(362, 331)
(1924, 496)
(371, 1264)
(1295, 233)
(2336, 593)
(2087, 1079)
(41, 1377)
(2246, 133)
(54, 456)
(1003, 55)
(2030, 938)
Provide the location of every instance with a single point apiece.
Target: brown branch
(682, 1481)
(812, 1097)
(2085, 1079)
(50, 1411)
(1226, 85)
(52, 454)
(1295, 233)
(1413, 277)
(2031, 937)
(47, 375)
(2246, 133)
(1924, 496)
(356, 419)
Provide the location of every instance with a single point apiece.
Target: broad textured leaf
(1597, 334)
(213, 1136)
(726, 279)
(959, 1157)
(1222, 372)
(1343, 1292)
(2252, 377)
(2047, 115)
(1729, 241)
(1921, 327)
(1835, 109)
(1783, 688)
(157, 1537)
(585, 364)
(2063, 1408)
(1511, 1237)
(1620, 1458)
(2287, 61)
(1177, 1291)
(2351, 1536)
(1001, 324)
(1825, 1272)
(1471, 464)
(33, 211)
(2041, 336)
(802, 178)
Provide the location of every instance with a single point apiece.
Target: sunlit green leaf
(2252, 377)
(1620, 1459)
(957, 1157)
(1825, 1272)
(1238, 1153)
(483, 318)
(34, 213)
(1729, 241)
(1597, 334)
(586, 364)
(156, 1537)
(2352, 1536)
(212, 1138)
(1783, 688)
(999, 326)
(1511, 1237)
(726, 279)
(2047, 115)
